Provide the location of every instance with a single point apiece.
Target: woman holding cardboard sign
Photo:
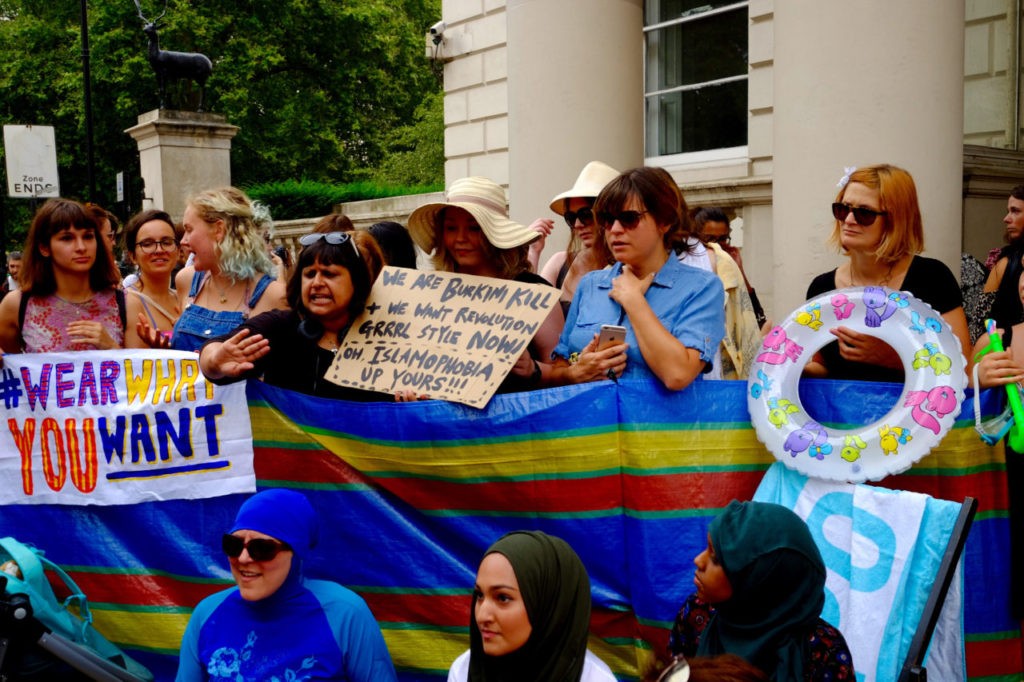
(672, 313)
(471, 233)
(294, 348)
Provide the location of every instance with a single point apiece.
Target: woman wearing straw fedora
(586, 251)
(471, 233)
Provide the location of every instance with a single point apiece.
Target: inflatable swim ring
(933, 390)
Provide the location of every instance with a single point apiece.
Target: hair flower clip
(847, 172)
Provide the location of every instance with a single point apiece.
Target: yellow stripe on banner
(424, 648)
(143, 629)
(625, 660)
(537, 457)
(270, 425)
(427, 649)
(696, 448)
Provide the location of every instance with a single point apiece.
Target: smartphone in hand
(611, 334)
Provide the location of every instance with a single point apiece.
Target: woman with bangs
(231, 277)
(673, 313)
(68, 297)
(294, 348)
(878, 225)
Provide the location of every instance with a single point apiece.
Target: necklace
(222, 292)
(75, 303)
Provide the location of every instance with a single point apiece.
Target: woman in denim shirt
(673, 313)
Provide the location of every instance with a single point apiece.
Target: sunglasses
(584, 215)
(864, 216)
(628, 219)
(333, 238)
(260, 549)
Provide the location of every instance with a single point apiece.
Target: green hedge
(294, 199)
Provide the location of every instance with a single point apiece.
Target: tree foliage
(321, 89)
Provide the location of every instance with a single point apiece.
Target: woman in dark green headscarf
(531, 615)
(764, 580)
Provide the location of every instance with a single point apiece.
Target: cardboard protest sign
(120, 427)
(451, 336)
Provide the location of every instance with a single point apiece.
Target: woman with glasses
(471, 233)
(231, 277)
(586, 251)
(294, 348)
(151, 242)
(69, 298)
(878, 226)
(672, 313)
(530, 617)
(276, 624)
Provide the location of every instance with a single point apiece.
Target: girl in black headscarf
(765, 578)
(531, 615)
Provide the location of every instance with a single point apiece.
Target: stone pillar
(857, 84)
(575, 94)
(182, 153)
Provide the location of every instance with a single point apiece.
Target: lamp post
(87, 101)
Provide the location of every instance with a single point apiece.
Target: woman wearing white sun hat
(471, 233)
(587, 250)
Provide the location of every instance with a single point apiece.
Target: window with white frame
(695, 75)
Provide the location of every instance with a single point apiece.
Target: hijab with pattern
(778, 581)
(556, 592)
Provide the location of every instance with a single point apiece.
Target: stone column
(856, 84)
(575, 94)
(181, 153)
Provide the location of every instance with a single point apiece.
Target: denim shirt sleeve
(698, 319)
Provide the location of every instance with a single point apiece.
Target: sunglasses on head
(584, 215)
(628, 219)
(333, 238)
(863, 216)
(260, 549)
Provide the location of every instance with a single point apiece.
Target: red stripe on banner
(445, 610)
(955, 488)
(690, 491)
(142, 590)
(543, 496)
(303, 466)
(994, 658)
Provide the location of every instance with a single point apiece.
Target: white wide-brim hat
(483, 199)
(594, 176)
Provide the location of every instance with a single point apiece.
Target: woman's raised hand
(153, 338)
(237, 355)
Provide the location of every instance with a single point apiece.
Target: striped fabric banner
(410, 495)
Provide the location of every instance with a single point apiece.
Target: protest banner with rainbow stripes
(410, 495)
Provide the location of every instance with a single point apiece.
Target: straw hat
(594, 176)
(483, 199)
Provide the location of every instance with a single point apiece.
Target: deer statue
(170, 65)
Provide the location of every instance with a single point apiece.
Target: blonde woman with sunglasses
(878, 226)
(672, 314)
